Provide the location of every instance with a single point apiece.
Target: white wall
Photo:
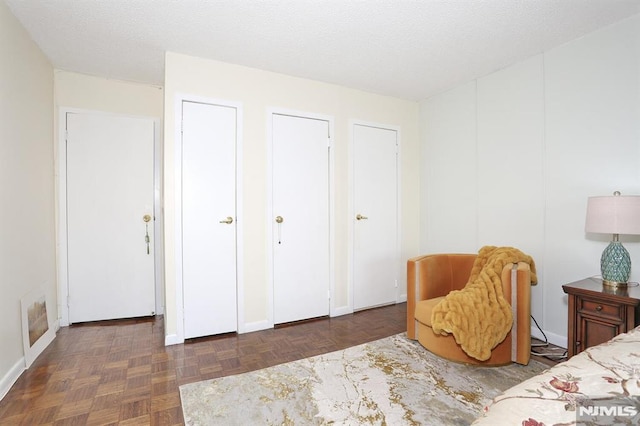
(449, 172)
(257, 91)
(520, 150)
(73, 90)
(27, 245)
(510, 162)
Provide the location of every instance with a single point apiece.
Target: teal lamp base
(615, 265)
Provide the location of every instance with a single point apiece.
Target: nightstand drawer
(598, 308)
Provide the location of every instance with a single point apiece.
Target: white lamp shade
(616, 214)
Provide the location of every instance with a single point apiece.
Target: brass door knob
(228, 220)
(279, 219)
(360, 217)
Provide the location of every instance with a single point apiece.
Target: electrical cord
(551, 355)
(546, 341)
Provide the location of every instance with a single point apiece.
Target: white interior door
(375, 221)
(109, 191)
(300, 238)
(209, 275)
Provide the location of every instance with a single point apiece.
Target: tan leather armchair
(431, 277)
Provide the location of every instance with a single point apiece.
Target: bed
(600, 385)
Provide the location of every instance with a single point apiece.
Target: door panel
(375, 199)
(109, 190)
(301, 199)
(209, 219)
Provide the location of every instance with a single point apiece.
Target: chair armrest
(521, 307)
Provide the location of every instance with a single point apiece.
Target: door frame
(61, 201)
(179, 299)
(269, 323)
(400, 294)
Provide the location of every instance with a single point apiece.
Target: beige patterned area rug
(392, 381)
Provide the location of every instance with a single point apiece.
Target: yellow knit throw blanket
(478, 315)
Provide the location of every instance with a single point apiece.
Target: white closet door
(209, 283)
(109, 191)
(375, 221)
(301, 199)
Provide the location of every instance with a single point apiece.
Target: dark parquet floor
(120, 372)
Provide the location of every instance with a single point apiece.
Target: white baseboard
(172, 339)
(255, 326)
(11, 377)
(342, 310)
(552, 338)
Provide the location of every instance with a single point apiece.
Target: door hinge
(329, 142)
(329, 294)
(396, 283)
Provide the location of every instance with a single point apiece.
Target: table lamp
(615, 215)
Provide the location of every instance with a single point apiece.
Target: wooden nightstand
(597, 313)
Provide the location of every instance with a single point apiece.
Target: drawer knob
(599, 308)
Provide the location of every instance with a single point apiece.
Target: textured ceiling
(402, 48)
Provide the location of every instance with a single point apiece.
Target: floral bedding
(607, 374)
